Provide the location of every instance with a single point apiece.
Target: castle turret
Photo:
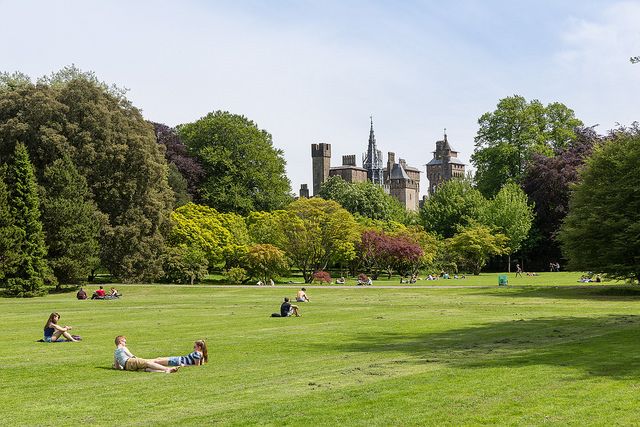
(304, 191)
(321, 163)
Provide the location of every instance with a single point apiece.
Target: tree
(455, 204)
(474, 245)
(601, 232)
(111, 145)
(27, 279)
(179, 186)
(363, 198)
(200, 227)
(381, 251)
(243, 171)
(184, 264)
(317, 232)
(263, 262)
(510, 135)
(510, 214)
(178, 154)
(71, 222)
(10, 234)
(548, 182)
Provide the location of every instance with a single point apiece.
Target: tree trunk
(509, 267)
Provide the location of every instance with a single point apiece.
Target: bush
(184, 264)
(322, 277)
(237, 275)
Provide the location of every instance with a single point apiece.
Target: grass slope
(359, 356)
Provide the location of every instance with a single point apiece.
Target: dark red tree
(382, 252)
(547, 182)
(178, 154)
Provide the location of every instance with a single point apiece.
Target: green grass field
(537, 354)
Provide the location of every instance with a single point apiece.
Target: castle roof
(453, 160)
(347, 167)
(398, 172)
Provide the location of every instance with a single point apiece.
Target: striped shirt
(191, 359)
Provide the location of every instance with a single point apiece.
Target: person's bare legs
(295, 310)
(156, 367)
(164, 361)
(65, 334)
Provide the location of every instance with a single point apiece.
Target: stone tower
(372, 160)
(321, 163)
(445, 164)
(402, 186)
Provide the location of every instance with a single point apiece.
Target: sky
(314, 71)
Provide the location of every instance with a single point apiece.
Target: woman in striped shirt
(195, 358)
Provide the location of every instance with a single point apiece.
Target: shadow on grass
(604, 346)
(589, 292)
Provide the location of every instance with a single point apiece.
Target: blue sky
(313, 71)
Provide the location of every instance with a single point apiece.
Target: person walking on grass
(198, 357)
(53, 331)
(124, 360)
(518, 270)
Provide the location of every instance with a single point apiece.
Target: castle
(399, 180)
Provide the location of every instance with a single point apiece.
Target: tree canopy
(601, 232)
(243, 172)
(510, 135)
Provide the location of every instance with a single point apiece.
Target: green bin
(502, 280)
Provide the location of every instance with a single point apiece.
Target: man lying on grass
(123, 359)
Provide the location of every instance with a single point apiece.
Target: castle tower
(445, 164)
(304, 191)
(372, 159)
(402, 187)
(320, 164)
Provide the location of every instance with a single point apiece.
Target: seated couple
(363, 280)
(101, 294)
(123, 359)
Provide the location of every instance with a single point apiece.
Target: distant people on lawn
(302, 296)
(364, 280)
(554, 266)
(123, 359)
(197, 357)
(271, 282)
(81, 294)
(99, 293)
(113, 293)
(53, 331)
(341, 281)
(518, 270)
(287, 309)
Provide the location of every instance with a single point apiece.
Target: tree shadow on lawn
(603, 346)
(593, 292)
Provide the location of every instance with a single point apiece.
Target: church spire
(372, 159)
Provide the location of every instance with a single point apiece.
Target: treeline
(87, 184)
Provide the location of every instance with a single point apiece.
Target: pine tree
(71, 222)
(28, 277)
(10, 235)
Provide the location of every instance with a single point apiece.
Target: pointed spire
(446, 146)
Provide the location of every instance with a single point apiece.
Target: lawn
(358, 356)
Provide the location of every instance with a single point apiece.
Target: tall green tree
(71, 222)
(510, 214)
(510, 135)
(243, 170)
(601, 232)
(28, 277)
(10, 234)
(455, 204)
(111, 145)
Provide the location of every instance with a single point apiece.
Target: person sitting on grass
(340, 281)
(53, 331)
(113, 293)
(99, 294)
(287, 309)
(81, 294)
(302, 296)
(124, 360)
(197, 357)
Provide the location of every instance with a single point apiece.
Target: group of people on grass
(99, 293)
(123, 358)
(287, 309)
